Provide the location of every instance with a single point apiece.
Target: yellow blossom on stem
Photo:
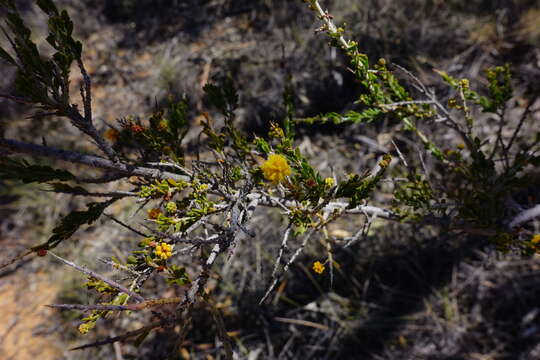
(536, 239)
(276, 168)
(329, 182)
(318, 267)
(163, 251)
(162, 125)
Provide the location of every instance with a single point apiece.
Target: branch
(93, 274)
(287, 265)
(107, 307)
(88, 160)
(326, 18)
(272, 201)
(126, 226)
(525, 216)
(111, 340)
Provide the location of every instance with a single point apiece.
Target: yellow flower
(318, 267)
(276, 168)
(162, 125)
(84, 328)
(329, 182)
(536, 239)
(163, 251)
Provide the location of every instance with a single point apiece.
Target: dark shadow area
(400, 285)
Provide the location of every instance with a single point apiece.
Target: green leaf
(178, 118)
(16, 24)
(224, 98)
(355, 117)
(72, 222)
(68, 189)
(13, 170)
(48, 7)
(215, 96)
(288, 101)
(139, 340)
(262, 145)
(100, 286)
(7, 3)
(178, 275)
(5, 55)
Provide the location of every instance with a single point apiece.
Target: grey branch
(281, 250)
(88, 160)
(91, 307)
(525, 216)
(93, 274)
(133, 333)
(362, 209)
(287, 265)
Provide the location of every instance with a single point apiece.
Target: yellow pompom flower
(276, 168)
(329, 182)
(318, 267)
(163, 251)
(536, 239)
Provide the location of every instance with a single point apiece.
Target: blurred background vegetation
(402, 293)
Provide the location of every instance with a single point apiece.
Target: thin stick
(93, 274)
(281, 249)
(107, 307)
(126, 226)
(286, 267)
(525, 216)
(133, 333)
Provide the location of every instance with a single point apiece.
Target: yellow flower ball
(329, 182)
(163, 251)
(276, 168)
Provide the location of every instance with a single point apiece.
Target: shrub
(200, 206)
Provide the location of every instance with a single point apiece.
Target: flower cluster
(329, 182)
(163, 251)
(171, 207)
(276, 168)
(318, 267)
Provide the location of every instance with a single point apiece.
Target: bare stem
(88, 160)
(93, 274)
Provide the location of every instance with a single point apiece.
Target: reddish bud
(137, 129)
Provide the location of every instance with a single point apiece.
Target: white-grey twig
(93, 274)
(289, 263)
(281, 250)
(525, 216)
